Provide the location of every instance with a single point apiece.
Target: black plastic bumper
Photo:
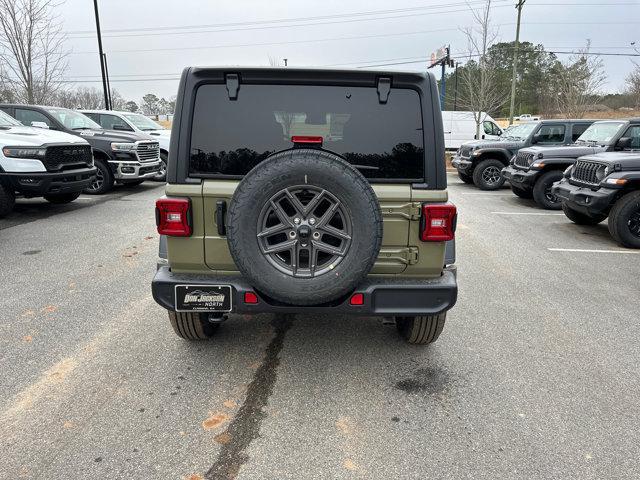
(464, 165)
(50, 183)
(384, 295)
(585, 200)
(521, 178)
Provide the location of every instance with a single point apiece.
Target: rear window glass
(384, 141)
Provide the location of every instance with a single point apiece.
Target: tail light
(307, 139)
(173, 216)
(438, 222)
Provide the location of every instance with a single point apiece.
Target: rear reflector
(173, 216)
(438, 222)
(250, 297)
(357, 299)
(307, 139)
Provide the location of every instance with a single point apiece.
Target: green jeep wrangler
(302, 190)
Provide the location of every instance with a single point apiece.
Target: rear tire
(522, 192)
(421, 330)
(7, 200)
(624, 220)
(103, 181)
(580, 218)
(192, 325)
(487, 174)
(465, 178)
(542, 190)
(61, 198)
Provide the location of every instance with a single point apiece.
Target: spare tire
(304, 227)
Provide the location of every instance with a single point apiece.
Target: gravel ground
(535, 375)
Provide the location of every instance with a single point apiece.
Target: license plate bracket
(203, 298)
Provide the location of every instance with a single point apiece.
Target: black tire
(7, 200)
(485, 175)
(306, 170)
(162, 174)
(542, 190)
(103, 181)
(580, 218)
(465, 178)
(421, 330)
(624, 220)
(192, 325)
(522, 192)
(61, 198)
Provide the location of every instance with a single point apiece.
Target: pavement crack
(245, 427)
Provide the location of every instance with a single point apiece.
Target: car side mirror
(536, 139)
(40, 125)
(624, 142)
(121, 127)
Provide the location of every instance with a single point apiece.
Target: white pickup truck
(527, 117)
(138, 123)
(36, 162)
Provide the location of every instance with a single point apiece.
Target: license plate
(203, 298)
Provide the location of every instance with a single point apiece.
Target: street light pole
(105, 89)
(515, 62)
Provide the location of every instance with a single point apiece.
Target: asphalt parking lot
(535, 375)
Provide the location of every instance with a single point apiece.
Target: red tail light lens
(250, 297)
(357, 299)
(307, 139)
(438, 223)
(173, 216)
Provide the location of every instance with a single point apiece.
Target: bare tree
(577, 83)
(479, 90)
(633, 85)
(32, 55)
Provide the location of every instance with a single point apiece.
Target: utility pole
(106, 74)
(442, 57)
(105, 89)
(455, 96)
(519, 6)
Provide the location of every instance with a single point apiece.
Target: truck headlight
(123, 147)
(24, 152)
(567, 172)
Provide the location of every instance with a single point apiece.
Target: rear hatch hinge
(410, 211)
(407, 255)
(232, 80)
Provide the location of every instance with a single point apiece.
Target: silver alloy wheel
(491, 175)
(98, 181)
(304, 231)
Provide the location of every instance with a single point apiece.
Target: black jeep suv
(121, 157)
(605, 185)
(534, 170)
(482, 161)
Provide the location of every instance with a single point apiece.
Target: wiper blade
(82, 128)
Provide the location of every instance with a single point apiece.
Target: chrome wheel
(304, 231)
(98, 181)
(491, 175)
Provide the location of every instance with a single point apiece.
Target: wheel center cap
(303, 233)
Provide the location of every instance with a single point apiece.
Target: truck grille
(586, 172)
(148, 151)
(66, 157)
(523, 159)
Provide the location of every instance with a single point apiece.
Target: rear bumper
(585, 200)
(520, 178)
(383, 296)
(38, 184)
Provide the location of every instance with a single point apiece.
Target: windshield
(7, 121)
(600, 132)
(142, 122)
(519, 132)
(73, 120)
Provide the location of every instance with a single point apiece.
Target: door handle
(221, 212)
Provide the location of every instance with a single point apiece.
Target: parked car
(460, 127)
(605, 185)
(481, 162)
(527, 117)
(534, 170)
(281, 183)
(120, 157)
(40, 163)
(135, 122)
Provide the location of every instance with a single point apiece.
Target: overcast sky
(151, 39)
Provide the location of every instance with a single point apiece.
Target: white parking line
(490, 194)
(528, 213)
(586, 250)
